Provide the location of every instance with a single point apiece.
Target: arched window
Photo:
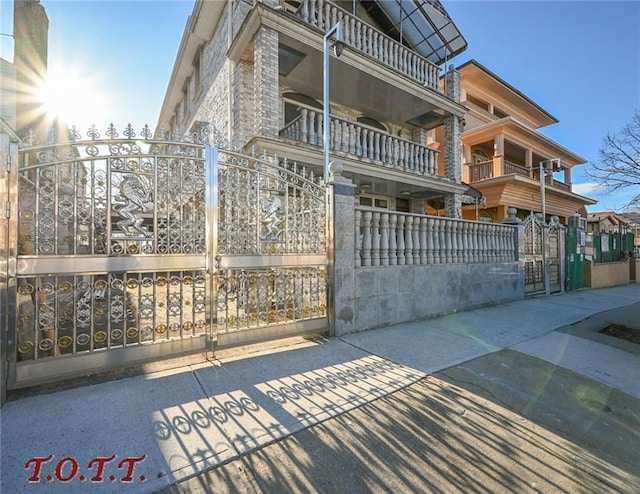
(371, 122)
(292, 102)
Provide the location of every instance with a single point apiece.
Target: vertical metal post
(8, 258)
(211, 229)
(337, 29)
(543, 171)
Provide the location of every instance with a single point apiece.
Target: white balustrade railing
(362, 36)
(355, 139)
(389, 238)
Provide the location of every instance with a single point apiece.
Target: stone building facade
(253, 70)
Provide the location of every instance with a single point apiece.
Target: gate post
(340, 248)
(211, 232)
(8, 251)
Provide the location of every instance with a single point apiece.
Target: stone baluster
(327, 16)
(305, 10)
(393, 242)
(366, 238)
(422, 255)
(304, 133)
(366, 147)
(453, 225)
(358, 140)
(345, 136)
(313, 131)
(384, 239)
(375, 239)
(466, 253)
(408, 239)
(371, 143)
(484, 242)
(438, 237)
(352, 139)
(383, 148)
(493, 243)
(476, 242)
(334, 15)
(375, 52)
(401, 220)
(394, 156)
(376, 146)
(430, 241)
(447, 240)
(333, 134)
(359, 238)
(460, 242)
(479, 234)
(418, 246)
(319, 128)
(337, 137)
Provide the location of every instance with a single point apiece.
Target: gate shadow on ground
(255, 402)
(430, 437)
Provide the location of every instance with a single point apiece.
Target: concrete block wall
(372, 297)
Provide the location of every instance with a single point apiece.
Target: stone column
(453, 145)
(341, 246)
(265, 81)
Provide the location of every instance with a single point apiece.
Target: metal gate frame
(122, 279)
(544, 258)
(270, 277)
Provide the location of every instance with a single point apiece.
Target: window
(292, 102)
(477, 102)
(371, 122)
(499, 113)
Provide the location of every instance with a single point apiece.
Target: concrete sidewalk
(145, 433)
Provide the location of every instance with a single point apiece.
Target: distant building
(607, 222)
(31, 31)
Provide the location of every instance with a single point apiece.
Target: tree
(618, 164)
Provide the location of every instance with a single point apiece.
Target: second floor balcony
(371, 41)
(354, 140)
(500, 167)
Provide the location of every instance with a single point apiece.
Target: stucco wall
(606, 274)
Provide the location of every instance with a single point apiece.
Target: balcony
(499, 167)
(354, 140)
(365, 38)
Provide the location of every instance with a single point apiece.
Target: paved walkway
(145, 433)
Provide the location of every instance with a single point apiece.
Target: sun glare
(73, 98)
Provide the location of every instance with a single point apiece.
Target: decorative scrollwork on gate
(269, 209)
(84, 205)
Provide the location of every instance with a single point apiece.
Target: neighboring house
(254, 70)
(503, 149)
(608, 222)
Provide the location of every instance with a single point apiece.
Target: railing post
(393, 242)
(358, 239)
(430, 241)
(401, 220)
(417, 247)
(408, 240)
(384, 239)
(375, 239)
(366, 238)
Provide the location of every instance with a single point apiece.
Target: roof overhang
(477, 75)
(512, 127)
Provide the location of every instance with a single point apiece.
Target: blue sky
(580, 60)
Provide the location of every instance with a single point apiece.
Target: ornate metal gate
(130, 249)
(271, 249)
(544, 264)
(534, 270)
